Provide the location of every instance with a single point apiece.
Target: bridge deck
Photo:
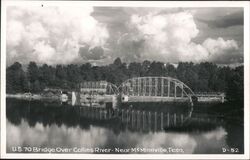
(154, 99)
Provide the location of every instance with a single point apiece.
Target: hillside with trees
(201, 77)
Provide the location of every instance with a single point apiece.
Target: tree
(134, 69)
(145, 68)
(15, 79)
(156, 69)
(117, 62)
(33, 72)
(235, 86)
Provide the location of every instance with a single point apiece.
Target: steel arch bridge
(152, 89)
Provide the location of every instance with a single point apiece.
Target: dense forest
(202, 77)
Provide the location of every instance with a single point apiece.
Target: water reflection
(35, 123)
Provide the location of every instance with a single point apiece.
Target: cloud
(223, 51)
(225, 21)
(51, 34)
(168, 37)
(95, 53)
(99, 35)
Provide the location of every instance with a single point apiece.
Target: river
(42, 127)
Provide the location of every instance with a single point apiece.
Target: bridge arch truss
(155, 87)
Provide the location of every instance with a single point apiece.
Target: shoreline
(31, 96)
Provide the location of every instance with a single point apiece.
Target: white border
(187, 4)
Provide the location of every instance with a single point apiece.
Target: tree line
(201, 77)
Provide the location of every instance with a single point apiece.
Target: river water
(42, 127)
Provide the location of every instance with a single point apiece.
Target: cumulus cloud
(168, 38)
(51, 34)
(99, 35)
(222, 51)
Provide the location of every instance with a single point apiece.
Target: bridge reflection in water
(127, 118)
(141, 120)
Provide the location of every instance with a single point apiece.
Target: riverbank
(32, 96)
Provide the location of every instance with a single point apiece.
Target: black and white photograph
(120, 79)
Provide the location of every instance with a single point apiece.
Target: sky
(98, 35)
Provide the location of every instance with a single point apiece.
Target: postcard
(125, 79)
